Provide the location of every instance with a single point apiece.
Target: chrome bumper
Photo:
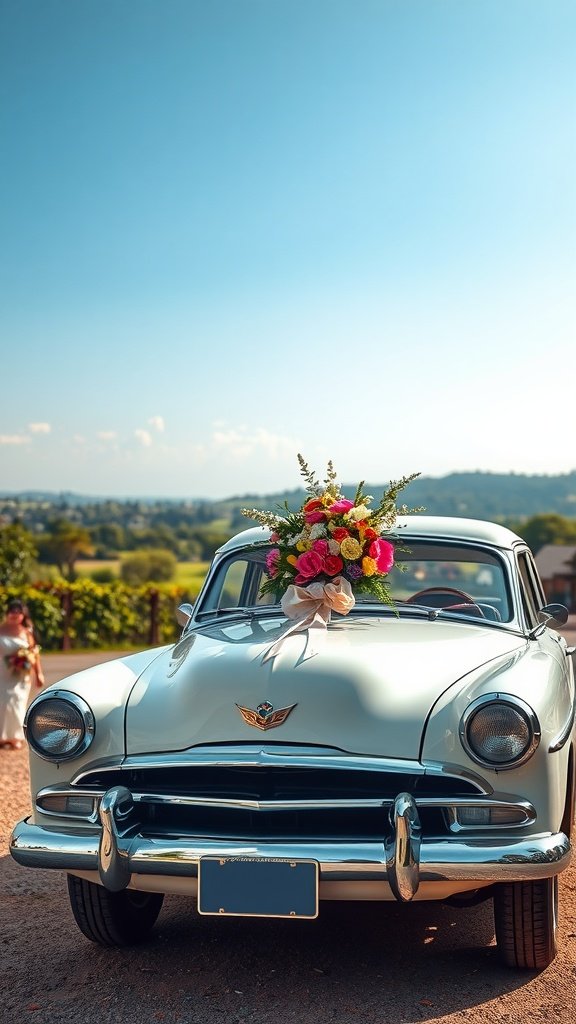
(404, 859)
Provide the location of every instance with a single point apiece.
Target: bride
(19, 665)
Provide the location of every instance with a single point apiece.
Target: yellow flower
(304, 545)
(369, 566)
(350, 548)
(292, 560)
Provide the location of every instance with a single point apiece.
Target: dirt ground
(379, 964)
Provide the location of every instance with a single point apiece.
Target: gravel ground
(380, 964)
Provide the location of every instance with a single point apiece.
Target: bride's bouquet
(21, 661)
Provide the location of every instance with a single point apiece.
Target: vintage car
(418, 752)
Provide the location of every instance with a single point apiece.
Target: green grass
(189, 575)
(86, 566)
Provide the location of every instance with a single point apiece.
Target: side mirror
(556, 613)
(185, 611)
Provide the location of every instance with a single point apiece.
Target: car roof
(415, 527)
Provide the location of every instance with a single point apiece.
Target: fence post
(66, 610)
(153, 632)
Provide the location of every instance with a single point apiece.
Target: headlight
(500, 731)
(59, 725)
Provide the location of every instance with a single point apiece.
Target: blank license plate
(253, 887)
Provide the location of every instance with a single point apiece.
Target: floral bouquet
(331, 547)
(21, 661)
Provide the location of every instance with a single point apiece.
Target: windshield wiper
(431, 613)
(251, 613)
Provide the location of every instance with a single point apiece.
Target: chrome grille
(277, 802)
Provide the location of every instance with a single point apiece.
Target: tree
(153, 537)
(17, 555)
(548, 529)
(108, 538)
(64, 545)
(148, 566)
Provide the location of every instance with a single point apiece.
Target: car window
(529, 588)
(424, 574)
(477, 574)
(237, 583)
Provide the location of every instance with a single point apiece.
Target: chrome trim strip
(461, 859)
(559, 741)
(257, 757)
(447, 803)
(442, 802)
(455, 771)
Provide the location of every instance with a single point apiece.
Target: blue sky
(232, 230)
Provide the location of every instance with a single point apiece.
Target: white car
(422, 752)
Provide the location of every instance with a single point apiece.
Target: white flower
(318, 530)
(358, 513)
(333, 547)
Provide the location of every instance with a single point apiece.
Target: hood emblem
(265, 717)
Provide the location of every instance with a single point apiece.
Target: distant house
(556, 564)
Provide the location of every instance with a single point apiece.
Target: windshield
(465, 579)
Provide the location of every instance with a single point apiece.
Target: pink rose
(314, 517)
(340, 507)
(321, 546)
(272, 559)
(309, 564)
(382, 551)
(333, 564)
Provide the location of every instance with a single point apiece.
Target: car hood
(367, 688)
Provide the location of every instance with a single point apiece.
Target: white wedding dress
(14, 690)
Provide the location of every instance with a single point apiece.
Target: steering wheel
(445, 597)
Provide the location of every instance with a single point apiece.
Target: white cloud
(14, 438)
(241, 443)
(143, 436)
(158, 423)
(39, 428)
(106, 435)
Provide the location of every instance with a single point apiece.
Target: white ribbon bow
(310, 608)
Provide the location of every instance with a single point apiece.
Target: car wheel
(113, 918)
(526, 920)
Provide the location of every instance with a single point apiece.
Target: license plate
(258, 887)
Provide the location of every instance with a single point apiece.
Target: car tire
(526, 921)
(113, 918)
